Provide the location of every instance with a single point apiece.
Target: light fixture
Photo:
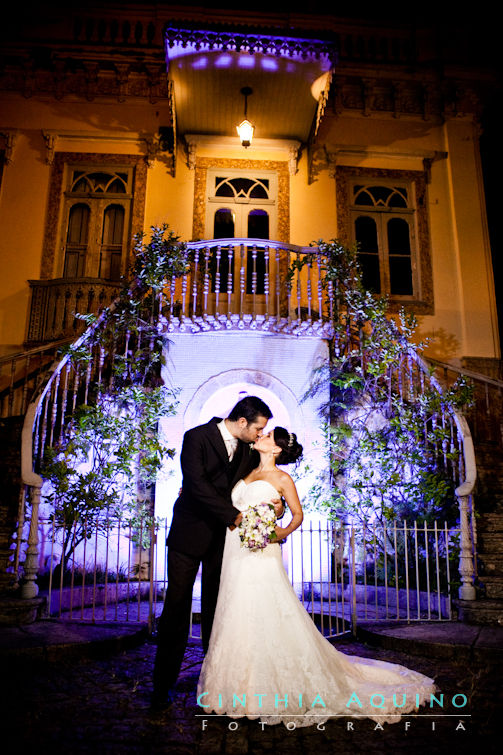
(245, 129)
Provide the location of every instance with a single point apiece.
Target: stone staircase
(14, 611)
(488, 608)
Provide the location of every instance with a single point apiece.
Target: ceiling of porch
(209, 70)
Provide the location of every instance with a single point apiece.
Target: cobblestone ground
(101, 706)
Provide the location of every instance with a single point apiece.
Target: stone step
(493, 586)
(484, 611)
(492, 518)
(491, 564)
(490, 543)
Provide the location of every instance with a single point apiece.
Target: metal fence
(342, 573)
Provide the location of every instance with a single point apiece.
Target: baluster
(309, 289)
(11, 387)
(194, 285)
(444, 440)
(230, 282)
(217, 282)
(24, 398)
(278, 288)
(100, 367)
(452, 448)
(206, 285)
(43, 433)
(242, 282)
(319, 288)
(331, 311)
(88, 380)
(29, 588)
(266, 282)
(54, 410)
(36, 434)
(466, 571)
(184, 294)
(254, 281)
(76, 384)
(111, 361)
(299, 288)
(288, 290)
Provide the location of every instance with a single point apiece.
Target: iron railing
(301, 305)
(342, 573)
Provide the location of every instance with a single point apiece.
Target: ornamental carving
(88, 81)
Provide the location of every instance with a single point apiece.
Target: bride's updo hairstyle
(291, 450)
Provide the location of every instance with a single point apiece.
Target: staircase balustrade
(218, 293)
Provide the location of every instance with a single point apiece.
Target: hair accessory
(290, 440)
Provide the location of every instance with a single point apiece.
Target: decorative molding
(10, 137)
(425, 303)
(329, 158)
(50, 140)
(202, 165)
(152, 144)
(289, 147)
(410, 96)
(77, 79)
(251, 42)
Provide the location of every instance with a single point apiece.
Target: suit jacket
(204, 508)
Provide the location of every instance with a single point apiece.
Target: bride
(266, 659)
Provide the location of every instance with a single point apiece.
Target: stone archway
(218, 394)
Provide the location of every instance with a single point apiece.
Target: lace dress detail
(266, 658)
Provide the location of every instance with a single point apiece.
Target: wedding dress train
(266, 658)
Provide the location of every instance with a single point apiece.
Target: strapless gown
(267, 660)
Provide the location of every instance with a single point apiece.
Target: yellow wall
(464, 322)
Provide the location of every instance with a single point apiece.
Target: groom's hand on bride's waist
(279, 507)
(237, 522)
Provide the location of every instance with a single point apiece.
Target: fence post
(29, 588)
(353, 581)
(467, 589)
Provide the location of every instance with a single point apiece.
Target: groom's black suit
(201, 515)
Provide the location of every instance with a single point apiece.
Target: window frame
(346, 177)
(60, 200)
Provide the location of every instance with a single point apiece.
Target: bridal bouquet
(257, 526)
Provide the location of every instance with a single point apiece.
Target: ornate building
(120, 116)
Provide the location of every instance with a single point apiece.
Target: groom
(214, 457)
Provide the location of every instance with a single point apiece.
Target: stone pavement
(72, 688)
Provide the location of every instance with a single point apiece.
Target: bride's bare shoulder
(282, 479)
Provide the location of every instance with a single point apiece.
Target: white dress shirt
(231, 443)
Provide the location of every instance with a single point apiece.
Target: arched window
(383, 218)
(96, 232)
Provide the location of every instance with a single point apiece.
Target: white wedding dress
(266, 658)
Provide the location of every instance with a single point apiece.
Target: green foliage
(388, 430)
(111, 451)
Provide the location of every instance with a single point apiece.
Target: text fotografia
(460, 725)
(377, 700)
